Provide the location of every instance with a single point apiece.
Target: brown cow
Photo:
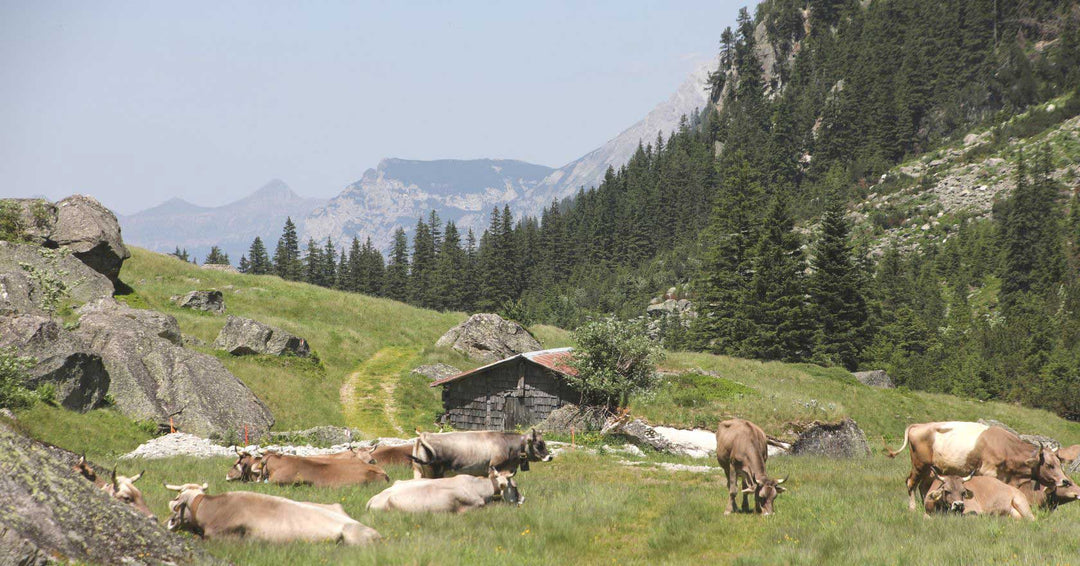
(957, 448)
(1049, 498)
(446, 495)
(741, 450)
(1068, 455)
(119, 487)
(394, 455)
(259, 516)
(285, 469)
(979, 495)
(472, 452)
(248, 466)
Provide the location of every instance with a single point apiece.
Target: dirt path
(367, 396)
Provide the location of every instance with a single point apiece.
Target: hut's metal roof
(554, 359)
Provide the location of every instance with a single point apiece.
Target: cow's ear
(968, 494)
(780, 489)
(935, 495)
(749, 489)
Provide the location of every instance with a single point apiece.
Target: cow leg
(732, 487)
(924, 482)
(913, 483)
(745, 498)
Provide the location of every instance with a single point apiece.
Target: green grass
(102, 434)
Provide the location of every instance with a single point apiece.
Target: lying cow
(741, 450)
(243, 514)
(956, 448)
(979, 495)
(394, 455)
(446, 495)
(1049, 498)
(1068, 454)
(249, 467)
(319, 472)
(437, 455)
(119, 487)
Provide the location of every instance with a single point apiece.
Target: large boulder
(210, 301)
(39, 280)
(834, 440)
(243, 336)
(875, 378)
(638, 432)
(36, 218)
(488, 337)
(49, 513)
(153, 378)
(92, 233)
(62, 360)
(571, 417)
(435, 372)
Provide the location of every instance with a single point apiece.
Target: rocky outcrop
(39, 280)
(875, 378)
(668, 313)
(571, 417)
(436, 372)
(210, 300)
(62, 360)
(317, 436)
(49, 513)
(92, 233)
(488, 337)
(153, 378)
(244, 336)
(638, 432)
(834, 440)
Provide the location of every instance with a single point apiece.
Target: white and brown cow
(741, 450)
(976, 495)
(247, 515)
(446, 495)
(957, 448)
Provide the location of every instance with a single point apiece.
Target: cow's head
(123, 488)
(951, 494)
(765, 492)
(181, 517)
(535, 449)
(364, 454)
(505, 486)
(84, 469)
(1062, 495)
(246, 468)
(1067, 455)
(1046, 468)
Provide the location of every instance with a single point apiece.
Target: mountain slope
(232, 226)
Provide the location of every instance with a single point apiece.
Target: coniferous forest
(745, 209)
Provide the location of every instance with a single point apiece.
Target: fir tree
(836, 288)
(244, 266)
(396, 283)
(287, 263)
(216, 257)
(260, 262)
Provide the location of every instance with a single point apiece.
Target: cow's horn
(781, 480)
(171, 487)
(114, 476)
(136, 477)
(969, 476)
(374, 443)
(205, 486)
(934, 470)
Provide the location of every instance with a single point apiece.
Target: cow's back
(742, 440)
(955, 446)
(393, 455)
(471, 452)
(994, 497)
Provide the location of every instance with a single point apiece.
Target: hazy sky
(138, 102)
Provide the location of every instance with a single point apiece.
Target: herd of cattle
(957, 467)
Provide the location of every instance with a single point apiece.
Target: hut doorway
(517, 414)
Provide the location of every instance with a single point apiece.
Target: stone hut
(518, 391)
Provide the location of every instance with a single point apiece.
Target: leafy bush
(13, 394)
(614, 359)
(12, 228)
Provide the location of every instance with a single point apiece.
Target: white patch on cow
(953, 441)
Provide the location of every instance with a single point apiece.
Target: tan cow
(957, 448)
(119, 487)
(285, 469)
(979, 495)
(248, 466)
(445, 495)
(1068, 455)
(243, 514)
(394, 455)
(436, 455)
(741, 450)
(1049, 498)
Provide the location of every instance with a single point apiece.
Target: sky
(139, 102)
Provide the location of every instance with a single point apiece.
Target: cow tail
(891, 453)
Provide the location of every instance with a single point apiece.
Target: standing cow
(957, 448)
(471, 453)
(741, 450)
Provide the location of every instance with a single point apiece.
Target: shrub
(12, 228)
(614, 359)
(13, 394)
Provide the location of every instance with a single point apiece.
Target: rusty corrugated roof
(554, 359)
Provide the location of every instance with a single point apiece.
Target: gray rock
(210, 301)
(834, 440)
(49, 512)
(37, 217)
(570, 416)
(153, 378)
(638, 432)
(161, 324)
(317, 436)
(243, 336)
(488, 337)
(63, 360)
(436, 371)
(39, 280)
(189, 341)
(92, 233)
(220, 267)
(875, 378)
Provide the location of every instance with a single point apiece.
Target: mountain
(399, 191)
(233, 226)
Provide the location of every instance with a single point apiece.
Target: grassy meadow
(584, 507)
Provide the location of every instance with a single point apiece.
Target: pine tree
(396, 283)
(373, 267)
(328, 275)
(244, 266)
(216, 257)
(260, 262)
(836, 289)
(449, 274)
(181, 255)
(355, 274)
(422, 264)
(287, 263)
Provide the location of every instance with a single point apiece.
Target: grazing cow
(959, 447)
(120, 487)
(1068, 455)
(979, 495)
(285, 469)
(741, 450)
(436, 455)
(243, 514)
(446, 495)
(394, 455)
